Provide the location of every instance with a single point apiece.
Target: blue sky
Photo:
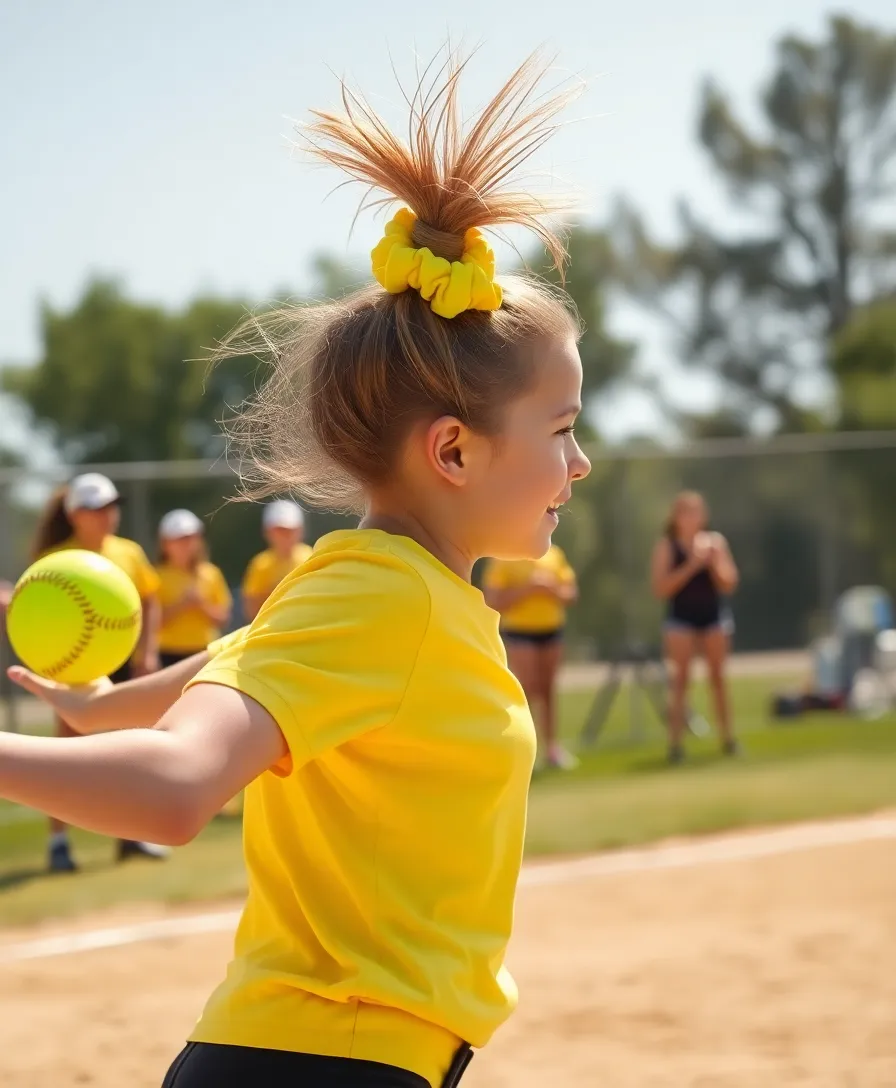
(148, 141)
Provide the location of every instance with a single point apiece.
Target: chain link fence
(807, 517)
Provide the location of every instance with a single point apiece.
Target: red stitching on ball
(92, 620)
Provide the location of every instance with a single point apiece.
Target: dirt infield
(727, 972)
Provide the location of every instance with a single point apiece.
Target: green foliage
(126, 381)
(863, 360)
(756, 305)
(605, 359)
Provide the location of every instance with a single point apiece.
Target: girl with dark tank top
(692, 569)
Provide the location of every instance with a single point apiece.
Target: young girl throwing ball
(385, 746)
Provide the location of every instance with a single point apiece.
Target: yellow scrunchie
(450, 287)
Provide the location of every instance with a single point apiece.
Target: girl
(693, 570)
(386, 747)
(283, 524)
(86, 514)
(532, 596)
(193, 594)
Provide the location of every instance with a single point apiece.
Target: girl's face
(95, 525)
(182, 551)
(533, 463)
(690, 515)
(281, 539)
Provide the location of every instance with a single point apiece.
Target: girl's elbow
(181, 821)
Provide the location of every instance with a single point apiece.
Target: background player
(194, 597)
(86, 514)
(283, 524)
(693, 570)
(532, 596)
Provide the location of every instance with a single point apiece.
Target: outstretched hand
(71, 704)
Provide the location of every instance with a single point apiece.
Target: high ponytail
(350, 378)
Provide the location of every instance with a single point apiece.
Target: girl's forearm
(133, 786)
(141, 702)
(149, 632)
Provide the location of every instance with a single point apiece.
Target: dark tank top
(698, 602)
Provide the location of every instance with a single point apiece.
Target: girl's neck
(90, 543)
(405, 524)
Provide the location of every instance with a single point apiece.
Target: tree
(863, 361)
(757, 309)
(126, 381)
(606, 360)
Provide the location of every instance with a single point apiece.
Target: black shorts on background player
(212, 1065)
(166, 659)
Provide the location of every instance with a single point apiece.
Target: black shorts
(211, 1065)
(122, 674)
(699, 625)
(167, 659)
(534, 638)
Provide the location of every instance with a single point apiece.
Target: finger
(32, 682)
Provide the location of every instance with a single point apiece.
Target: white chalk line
(735, 847)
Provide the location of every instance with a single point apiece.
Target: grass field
(622, 794)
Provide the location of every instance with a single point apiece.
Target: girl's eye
(567, 430)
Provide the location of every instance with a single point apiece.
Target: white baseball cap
(282, 514)
(90, 491)
(179, 523)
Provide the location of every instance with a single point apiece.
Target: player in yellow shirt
(384, 746)
(86, 514)
(283, 524)
(195, 600)
(532, 596)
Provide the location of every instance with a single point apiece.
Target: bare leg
(549, 659)
(716, 644)
(679, 646)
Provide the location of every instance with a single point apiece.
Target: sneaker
(676, 755)
(60, 859)
(731, 748)
(561, 760)
(130, 849)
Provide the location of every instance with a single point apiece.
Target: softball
(74, 617)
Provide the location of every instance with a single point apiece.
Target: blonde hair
(350, 378)
(671, 526)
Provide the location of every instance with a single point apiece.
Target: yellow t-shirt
(539, 611)
(191, 630)
(266, 570)
(126, 554)
(383, 854)
(226, 641)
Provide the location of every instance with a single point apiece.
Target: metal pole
(828, 524)
(141, 521)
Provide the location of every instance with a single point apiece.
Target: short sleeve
(146, 577)
(495, 575)
(218, 645)
(332, 654)
(253, 579)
